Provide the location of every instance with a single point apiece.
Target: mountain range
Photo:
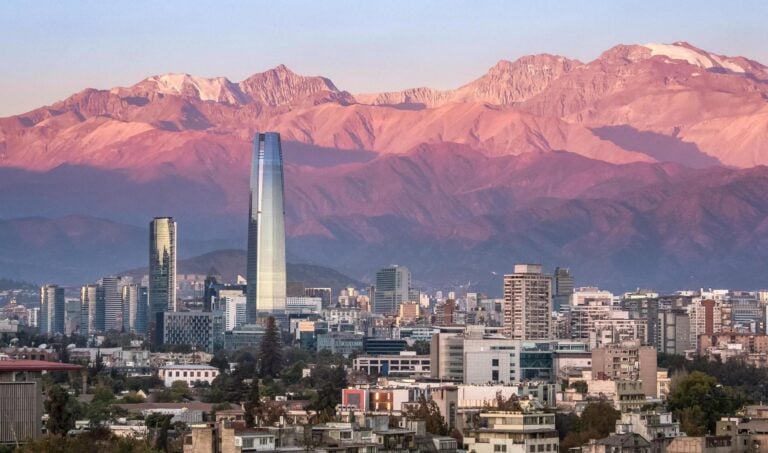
(643, 167)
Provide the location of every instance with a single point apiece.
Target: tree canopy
(698, 401)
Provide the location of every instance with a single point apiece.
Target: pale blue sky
(51, 49)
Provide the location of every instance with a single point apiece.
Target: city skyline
(574, 194)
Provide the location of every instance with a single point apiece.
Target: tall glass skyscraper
(112, 288)
(393, 285)
(162, 273)
(89, 300)
(52, 309)
(266, 229)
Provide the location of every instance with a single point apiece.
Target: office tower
(51, 310)
(562, 288)
(324, 294)
(89, 300)
(135, 304)
(528, 303)
(112, 290)
(265, 269)
(393, 286)
(71, 316)
(162, 274)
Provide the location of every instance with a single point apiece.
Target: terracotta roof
(36, 365)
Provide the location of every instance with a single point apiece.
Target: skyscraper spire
(266, 229)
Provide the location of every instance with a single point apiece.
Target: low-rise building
(747, 435)
(190, 374)
(618, 443)
(651, 425)
(706, 444)
(21, 398)
(513, 432)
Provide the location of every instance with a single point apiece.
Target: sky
(52, 49)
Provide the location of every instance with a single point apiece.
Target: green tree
(421, 347)
(580, 386)
(97, 439)
(220, 361)
(599, 417)
(509, 404)
(699, 401)
(597, 420)
(60, 411)
(270, 352)
(252, 405)
(430, 413)
(178, 393)
(269, 412)
(159, 425)
(293, 374)
(565, 423)
(328, 382)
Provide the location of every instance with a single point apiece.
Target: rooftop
(36, 365)
(188, 367)
(193, 406)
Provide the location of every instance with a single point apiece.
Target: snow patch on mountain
(692, 56)
(217, 89)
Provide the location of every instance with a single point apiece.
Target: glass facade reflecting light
(266, 229)
(162, 273)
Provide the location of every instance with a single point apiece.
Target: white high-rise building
(234, 311)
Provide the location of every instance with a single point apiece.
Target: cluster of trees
(430, 413)
(698, 401)
(598, 420)
(750, 381)
(98, 439)
(705, 390)
(275, 369)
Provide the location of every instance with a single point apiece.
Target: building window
(495, 375)
(495, 362)
(500, 447)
